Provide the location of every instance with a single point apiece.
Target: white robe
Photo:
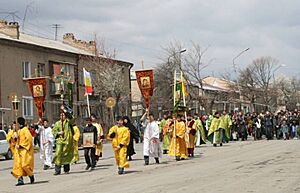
(151, 140)
(46, 151)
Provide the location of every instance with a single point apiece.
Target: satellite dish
(110, 102)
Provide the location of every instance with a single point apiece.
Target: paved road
(251, 166)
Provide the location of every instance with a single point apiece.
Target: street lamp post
(235, 70)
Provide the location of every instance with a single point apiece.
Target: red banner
(145, 81)
(37, 87)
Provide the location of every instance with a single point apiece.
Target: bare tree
(290, 90)
(108, 78)
(257, 80)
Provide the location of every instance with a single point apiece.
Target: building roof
(214, 83)
(44, 42)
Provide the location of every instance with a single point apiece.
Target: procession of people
(176, 135)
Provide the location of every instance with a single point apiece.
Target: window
(26, 66)
(2, 136)
(27, 104)
(40, 69)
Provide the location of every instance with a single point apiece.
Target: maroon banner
(145, 81)
(37, 87)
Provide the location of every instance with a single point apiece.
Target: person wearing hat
(89, 152)
(178, 144)
(24, 155)
(63, 133)
(120, 136)
(214, 134)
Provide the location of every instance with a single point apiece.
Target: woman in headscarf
(134, 134)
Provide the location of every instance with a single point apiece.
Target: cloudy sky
(138, 29)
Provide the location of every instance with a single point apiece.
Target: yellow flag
(184, 91)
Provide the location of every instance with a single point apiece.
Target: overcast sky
(138, 29)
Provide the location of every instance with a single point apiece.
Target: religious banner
(37, 87)
(145, 81)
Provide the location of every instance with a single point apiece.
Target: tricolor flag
(87, 82)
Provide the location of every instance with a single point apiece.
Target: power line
(56, 26)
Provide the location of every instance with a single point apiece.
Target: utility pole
(56, 26)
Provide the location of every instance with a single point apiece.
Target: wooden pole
(174, 119)
(88, 105)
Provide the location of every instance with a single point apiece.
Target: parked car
(4, 146)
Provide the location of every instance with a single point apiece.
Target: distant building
(23, 56)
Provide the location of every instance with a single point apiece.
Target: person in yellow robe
(76, 137)
(214, 134)
(120, 136)
(24, 154)
(99, 146)
(178, 144)
(11, 138)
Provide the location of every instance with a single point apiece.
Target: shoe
(31, 179)
(56, 173)
(221, 144)
(182, 158)
(87, 167)
(121, 171)
(157, 160)
(177, 158)
(46, 167)
(93, 167)
(215, 145)
(129, 158)
(20, 182)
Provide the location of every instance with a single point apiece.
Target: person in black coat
(89, 152)
(134, 134)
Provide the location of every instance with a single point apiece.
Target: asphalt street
(250, 166)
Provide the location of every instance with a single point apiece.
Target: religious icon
(145, 82)
(88, 139)
(38, 90)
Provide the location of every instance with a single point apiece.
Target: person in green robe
(200, 131)
(214, 135)
(63, 133)
(225, 126)
(165, 131)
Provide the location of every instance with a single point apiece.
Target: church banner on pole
(145, 80)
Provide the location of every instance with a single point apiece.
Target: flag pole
(174, 119)
(184, 104)
(88, 105)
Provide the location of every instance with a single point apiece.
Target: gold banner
(145, 81)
